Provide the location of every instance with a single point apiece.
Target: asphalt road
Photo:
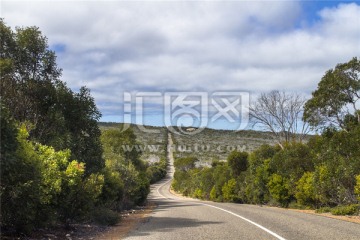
(176, 217)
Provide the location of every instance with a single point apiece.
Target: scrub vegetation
(321, 173)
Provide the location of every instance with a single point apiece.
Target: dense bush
(316, 174)
(357, 187)
(44, 186)
(238, 162)
(323, 172)
(53, 167)
(279, 189)
(352, 209)
(305, 192)
(155, 173)
(105, 216)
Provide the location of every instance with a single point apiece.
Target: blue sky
(311, 8)
(114, 47)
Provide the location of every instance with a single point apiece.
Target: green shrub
(357, 187)
(305, 192)
(279, 189)
(198, 193)
(185, 164)
(238, 162)
(323, 210)
(213, 195)
(105, 216)
(155, 173)
(352, 209)
(228, 190)
(79, 194)
(296, 205)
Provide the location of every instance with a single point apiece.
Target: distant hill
(153, 145)
(212, 144)
(208, 145)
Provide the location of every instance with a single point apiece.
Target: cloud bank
(113, 46)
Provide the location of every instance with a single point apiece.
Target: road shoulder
(130, 220)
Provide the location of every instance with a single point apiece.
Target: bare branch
(281, 114)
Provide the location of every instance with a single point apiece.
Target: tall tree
(281, 114)
(336, 100)
(31, 87)
(28, 71)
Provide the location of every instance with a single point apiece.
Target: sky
(204, 47)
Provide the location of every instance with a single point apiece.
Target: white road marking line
(248, 220)
(227, 211)
(236, 215)
(162, 186)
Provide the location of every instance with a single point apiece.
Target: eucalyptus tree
(336, 100)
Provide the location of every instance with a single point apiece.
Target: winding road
(177, 217)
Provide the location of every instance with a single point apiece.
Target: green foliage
(258, 173)
(213, 195)
(127, 178)
(323, 210)
(238, 162)
(113, 191)
(206, 182)
(305, 192)
(293, 161)
(229, 190)
(352, 209)
(121, 146)
(105, 216)
(157, 170)
(54, 162)
(48, 127)
(261, 154)
(221, 174)
(198, 193)
(337, 167)
(357, 187)
(20, 177)
(337, 91)
(257, 190)
(323, 172)
(185, 164)
(31, 88)
(40, 185)
(279, 189)
(79, 195)
(319, 173)
(181, 182)
(324, 188)
(155, 173)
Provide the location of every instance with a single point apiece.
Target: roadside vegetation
(57, 167)
(321, 173)
(152, 143)
(213, 144)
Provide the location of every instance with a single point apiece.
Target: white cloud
(115, 46)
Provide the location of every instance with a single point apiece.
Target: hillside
(208, 145)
